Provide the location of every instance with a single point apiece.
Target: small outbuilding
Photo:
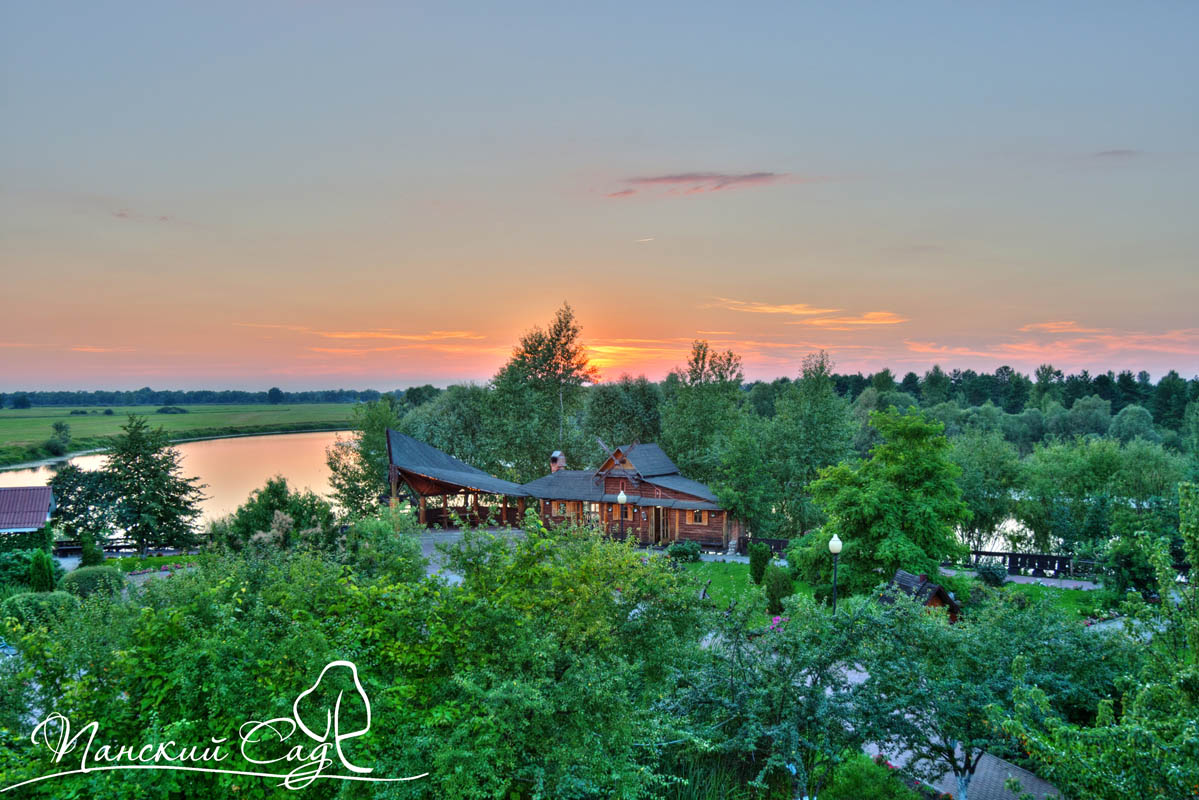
(24, 509)
(927, 593)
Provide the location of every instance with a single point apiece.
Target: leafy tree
(767, 464)
(815, 430)
(1011, 390)
(1058, 483)
(898, 509)
(1147, 743)
(274, 396)
(1170, 400)
(749, 477)
(20, 400)
(415, 396)
(762, 396)
(1076, 387)
(935, 387)
(629, 410)
(930, 682)
(1128, 390)
(1025, 429)
(989, 469)
(703, 410)
(778, 704)
(1087, 415)
(85, 506)
(910, 384)
(868, 402)
(553, 363)
(155, 505)
(359, 466)
(1133, 422)
(1048, 386)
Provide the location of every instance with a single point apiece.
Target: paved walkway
(1057, 583)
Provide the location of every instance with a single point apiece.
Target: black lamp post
(621, 499)
(834, 547)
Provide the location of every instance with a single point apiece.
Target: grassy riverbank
(23, 433)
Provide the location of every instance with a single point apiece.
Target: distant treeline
(173, 397)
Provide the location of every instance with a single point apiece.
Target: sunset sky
(315, 194)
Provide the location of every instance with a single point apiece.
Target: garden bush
(860, 777)
(759, 558)
(684, 551)
(41, 571)
(15, 564)
(992, 573)
(1127, 565)
(778, 586)
(38, 608)
(93, 553)
(383, 547)
(87, 581)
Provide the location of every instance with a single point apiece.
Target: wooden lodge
(661, 506)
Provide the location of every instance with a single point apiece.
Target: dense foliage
(898, 509)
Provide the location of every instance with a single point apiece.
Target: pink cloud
(1060, 326)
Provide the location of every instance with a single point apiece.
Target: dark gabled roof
(649, 459)
(412, 455)
(918, 587)
(685, 485)
(566, 484)
(25, 508)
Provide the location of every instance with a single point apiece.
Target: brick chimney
(557, 461)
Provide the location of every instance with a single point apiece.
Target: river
(231, 468)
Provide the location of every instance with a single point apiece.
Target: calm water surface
(232, 468)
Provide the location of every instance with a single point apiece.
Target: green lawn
(1074, 602)
(133, 563)
(730, 582)
(23, 433)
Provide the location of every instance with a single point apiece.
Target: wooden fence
(777, 546)
(74, 547)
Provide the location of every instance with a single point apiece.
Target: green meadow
(23, 433)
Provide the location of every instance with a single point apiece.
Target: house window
(562, 509)
(628, 512)
(697, 517)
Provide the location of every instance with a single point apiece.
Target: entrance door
(660, 533)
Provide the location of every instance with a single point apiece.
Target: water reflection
(232, 468)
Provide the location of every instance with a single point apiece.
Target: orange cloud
(868, 319)
(86, 348)
(754, 307)
(387, 333)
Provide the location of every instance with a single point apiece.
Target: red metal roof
(25, 508)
